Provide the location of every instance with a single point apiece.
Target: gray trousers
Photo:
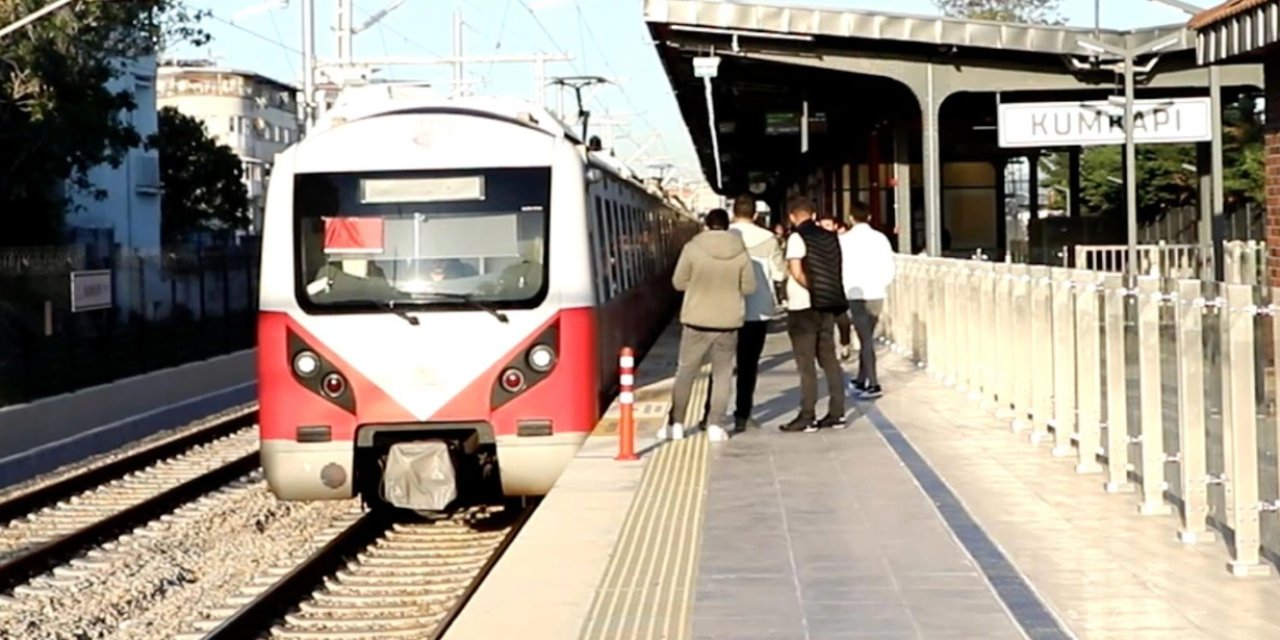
(865, 315)
(695, 346)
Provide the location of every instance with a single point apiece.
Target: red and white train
(456, 271)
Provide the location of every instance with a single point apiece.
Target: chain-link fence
(70, 318)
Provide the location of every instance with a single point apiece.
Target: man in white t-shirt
(868, 270)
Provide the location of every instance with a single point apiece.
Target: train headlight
(333, 385)
(541, 358)
(306, 364)
(512, 380)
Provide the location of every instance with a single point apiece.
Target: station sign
(1095, 123)
(90, 290)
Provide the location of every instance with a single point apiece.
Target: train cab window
(427, 240)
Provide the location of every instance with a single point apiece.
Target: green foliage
(1021, 11)
(202, 178)
(57, 118)
(1243, 179)
(1163, 179)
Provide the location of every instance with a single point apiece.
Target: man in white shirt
(868, 269)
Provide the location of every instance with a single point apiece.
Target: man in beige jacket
(715, 273)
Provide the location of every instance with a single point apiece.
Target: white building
(131, 208)
(254, 115)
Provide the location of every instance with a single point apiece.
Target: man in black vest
(815, 296)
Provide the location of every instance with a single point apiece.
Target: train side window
(633, 264)
(599, 252)
(615, 281)
(627, 239)
(654, 247)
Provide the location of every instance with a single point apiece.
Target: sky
(604, 37)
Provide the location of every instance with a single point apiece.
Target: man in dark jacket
(815, 295)
(714, 272)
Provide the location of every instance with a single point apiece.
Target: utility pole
(346, 68)
(1126, 66)
(457, 51)
(346, 30)
(308, 64)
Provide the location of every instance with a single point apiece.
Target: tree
(1242, 151)
(1022, 11)
(1164, 182)
(58, 119)
(202, 178)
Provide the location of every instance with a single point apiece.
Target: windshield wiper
(391, 306)
(466, 298)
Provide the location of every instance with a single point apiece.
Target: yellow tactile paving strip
(648, 586)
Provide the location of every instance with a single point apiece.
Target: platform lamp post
(1215, 156)
(1127, 65)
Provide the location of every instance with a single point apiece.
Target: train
(446, 284)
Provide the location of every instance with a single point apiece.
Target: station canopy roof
(772, 58)
(848, 23)
(1236, 29)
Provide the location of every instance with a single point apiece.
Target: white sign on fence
(1083, 124)
(90, 290)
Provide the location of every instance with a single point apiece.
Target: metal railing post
(1240, 433)
(934, 309)
(1153, 456)
(1191, 431)
(1041, 354)
(950, 324)
(1005, 342)
(1088, 373)
(961, 322)
(1022, 358)
(1064, 363)
(1115, 296)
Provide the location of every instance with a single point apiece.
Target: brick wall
(1272, 154)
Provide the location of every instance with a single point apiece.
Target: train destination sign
(1071, 124)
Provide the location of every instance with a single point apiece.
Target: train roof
(370, 101)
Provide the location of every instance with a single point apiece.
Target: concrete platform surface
(43, 435)
(544, 585)
(926, 518)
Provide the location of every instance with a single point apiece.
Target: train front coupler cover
(420, 476)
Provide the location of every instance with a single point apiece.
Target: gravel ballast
(152, 582)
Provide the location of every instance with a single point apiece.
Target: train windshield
(424, 239)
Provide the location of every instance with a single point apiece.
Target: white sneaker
(716, 433)
(671, 432)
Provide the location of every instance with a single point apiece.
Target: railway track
(377, 578)
(58, 521)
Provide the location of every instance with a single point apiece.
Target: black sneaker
(832, 422)
(801, 423)
(858, 386)
(740, 424)
(873, 391)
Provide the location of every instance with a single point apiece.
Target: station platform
(926, 518)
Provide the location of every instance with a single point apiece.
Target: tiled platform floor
(929, 518)
(828, 535)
